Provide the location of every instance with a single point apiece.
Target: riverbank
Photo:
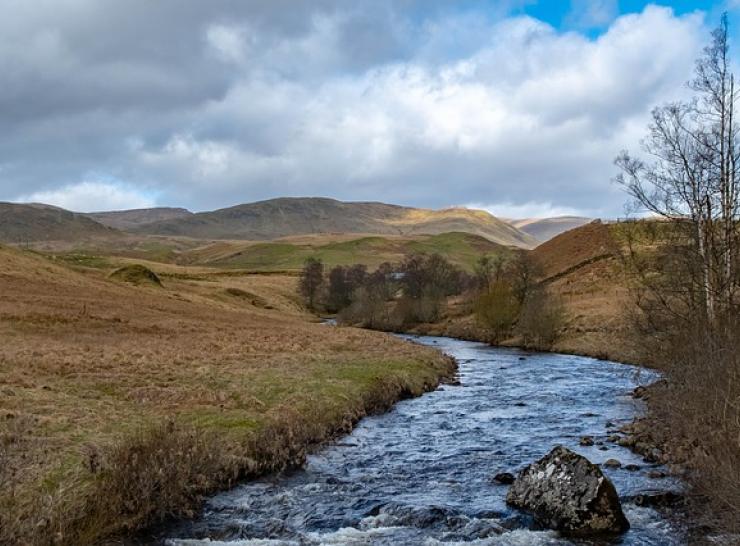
(423, 473)
(124, 404)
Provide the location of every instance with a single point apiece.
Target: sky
(515, 106)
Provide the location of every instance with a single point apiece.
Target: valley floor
(123, 404)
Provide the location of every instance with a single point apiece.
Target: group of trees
(418, 288)
(686, 273)
(504, 292)
(512, 301)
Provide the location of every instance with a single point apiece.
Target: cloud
(227, 42)
(588, 14)
(233, 102)
(532, 209)
(92, 197)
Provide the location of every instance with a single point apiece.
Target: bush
(695, 413)
(424, 309)
(136, 274)
(497, 310)
(369, 310)
(541, 319)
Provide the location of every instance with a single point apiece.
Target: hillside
(150, 396)
(131, 219)
(284, 217)
(461, 249)
(576, 247)
(544, 229)
(581, 268)
(23, 223)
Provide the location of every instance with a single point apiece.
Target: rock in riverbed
(566, 492)
(504, 478)
(659, 499)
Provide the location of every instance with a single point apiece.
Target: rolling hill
(135, 218)
(461, 249)
(285, 217)
(544, 229)
(25, 223)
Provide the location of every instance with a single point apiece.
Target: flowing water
(421, 474)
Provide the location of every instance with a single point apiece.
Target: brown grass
(582, 271)
(149, 397)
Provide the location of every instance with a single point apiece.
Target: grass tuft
(136, 274)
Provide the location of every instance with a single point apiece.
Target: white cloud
(593, 13)
(91, 197)
(531, 209)
(228, 42)
(533, 119)
(517, 113)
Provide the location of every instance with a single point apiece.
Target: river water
(421, 474)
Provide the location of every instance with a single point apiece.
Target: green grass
(136, 274)
(83, 260)
(294, 412)
(461, 249)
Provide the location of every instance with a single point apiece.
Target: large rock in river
(566, 492)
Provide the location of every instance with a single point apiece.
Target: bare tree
(490, 269)
(525, 274)
(687, 278)
(691, 179)
(312, 279)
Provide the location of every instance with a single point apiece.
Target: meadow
(151, 396)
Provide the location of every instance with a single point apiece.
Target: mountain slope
(544, 229)
(286, 217)
(461, 249)
(20, 223)
(134, 218)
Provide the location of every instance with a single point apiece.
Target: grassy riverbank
(123, 404)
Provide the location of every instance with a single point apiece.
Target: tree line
(505, 292)
(417, 287)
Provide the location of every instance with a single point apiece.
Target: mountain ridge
(32, 222)
(132, 218)
(289, 216)
(278, 218)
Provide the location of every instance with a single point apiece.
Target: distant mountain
(25, 223)
(544, 229)
(284, 217)
(135, 218)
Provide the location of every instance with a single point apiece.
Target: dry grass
(150, 397)
(695, 417)
(582, 271)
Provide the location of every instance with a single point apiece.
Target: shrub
(136, 274)
(541, 319)
(424, 309)
(497, 310)
(368, 310)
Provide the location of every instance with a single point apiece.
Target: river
(421, 473)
